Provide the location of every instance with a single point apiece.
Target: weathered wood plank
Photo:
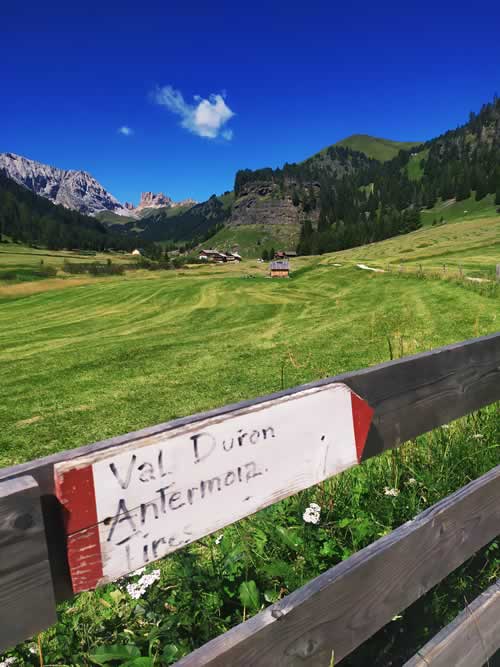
(136, 503)
(346, 605)
(410, 396)
(27, 602)
(470, 640)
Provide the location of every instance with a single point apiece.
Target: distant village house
(280, 269)
(219, 257)
(283, 254)
(136, 252)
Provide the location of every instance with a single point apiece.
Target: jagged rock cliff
(265, 203)
(77, 190)
(151, 200)
(292, 194)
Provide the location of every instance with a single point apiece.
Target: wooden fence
(442, 271)
(80, 518)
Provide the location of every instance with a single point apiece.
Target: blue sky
(274, 82)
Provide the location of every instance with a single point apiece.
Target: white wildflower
(312, 513)
(8, 661)
(33, 649)
(391, 492)
(135, 591)
(412, 481)
(137, 572)
(478, 436)
(138, 589)
(445, 426)
(218, 540)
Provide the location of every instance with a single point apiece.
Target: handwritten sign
(133, 504)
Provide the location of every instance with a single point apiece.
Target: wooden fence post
(498, 272)
(27, 603)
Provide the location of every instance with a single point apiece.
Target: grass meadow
(253, 239)
(83, 359)
(458, 211)
(27, 264)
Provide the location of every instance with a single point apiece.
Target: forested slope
(29, 218)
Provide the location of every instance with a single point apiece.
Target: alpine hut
(280, 269)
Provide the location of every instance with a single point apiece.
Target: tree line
(28, 218)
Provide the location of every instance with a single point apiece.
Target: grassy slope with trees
(79, 365)
(252, 240)
(182, 225)
(375, 147)
(367, 200)
(29, 218)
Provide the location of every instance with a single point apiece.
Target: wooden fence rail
(468, 641)
(347, 604)
(77, 519)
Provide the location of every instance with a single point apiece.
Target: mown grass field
(473, 245)
(20, 263)
(87, 359)
(18, 256)
(91, 361)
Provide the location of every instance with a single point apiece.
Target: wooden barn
(280, 269)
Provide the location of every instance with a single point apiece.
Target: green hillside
(111, 218)
(251, 240)
(473, 245)
(375, 147)
(414, 167)
(451, 210)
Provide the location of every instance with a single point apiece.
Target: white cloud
(126, 131)
(206, 118)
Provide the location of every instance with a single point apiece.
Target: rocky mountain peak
(73, 189)
(152, 200)
(77, 189)
(185, 202)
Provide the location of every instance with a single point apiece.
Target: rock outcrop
(73, 189)
(185, 202)
(264, 203)
(152, 200)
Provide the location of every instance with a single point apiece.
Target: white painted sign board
(133, 504)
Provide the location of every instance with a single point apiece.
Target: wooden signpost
(130, 506)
